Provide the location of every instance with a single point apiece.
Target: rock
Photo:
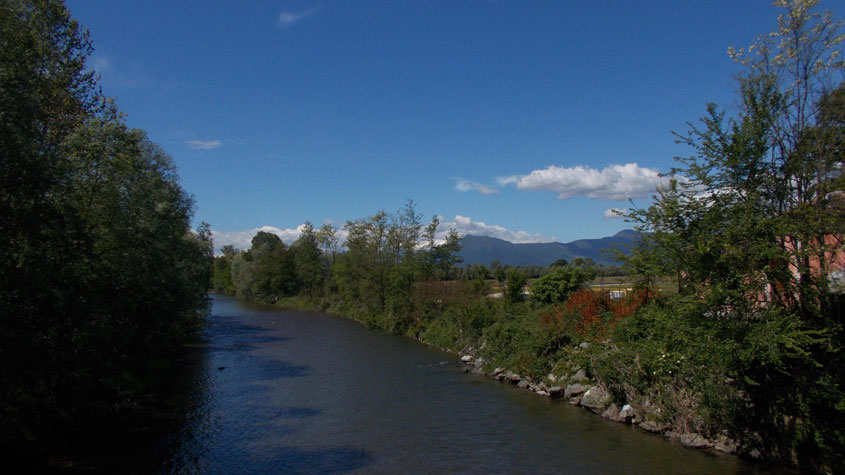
(513, 377)
(522, 384)
(466, 359)
(726, 445)
(479, 363)
(695, 441)
(670, 434)
(627, 414)
(499, 377)
(611, 413)
(542, 393)
(584, 345)
(574, 401)
(578, 376)
(555, 391)
(552, 378)
(574, 390)
(654, 427)
(498, 371)
(595, 399)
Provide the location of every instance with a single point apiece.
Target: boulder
(555, 391)
(579, 376)
(695, 441)
(542, 393)
(574, 390)
(654, 427)
(726, 445)
(522, 384)
(513, 377)
(466, 359)
(498, 371)
(612, 413)
(595, 399)
(627, 414)
(479, 363)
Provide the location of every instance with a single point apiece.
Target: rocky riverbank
(577, 389)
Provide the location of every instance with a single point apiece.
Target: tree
(309, 259)
(557, 285)
(748, 224)
(514, 284)
(101, 276)
(446, 255)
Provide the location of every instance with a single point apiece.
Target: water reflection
(296, 392)
(228, 425)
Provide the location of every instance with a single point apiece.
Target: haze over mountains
(483, 249)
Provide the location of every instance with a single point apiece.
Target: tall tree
(100, 274)
(749, 224)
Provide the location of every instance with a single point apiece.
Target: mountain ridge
(484, 249)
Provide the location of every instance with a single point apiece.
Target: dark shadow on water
(296, 412)
(231, 334)
(231, 420)
(332, 460)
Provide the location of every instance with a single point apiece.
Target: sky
(523, 120)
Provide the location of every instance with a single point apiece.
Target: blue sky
(524, 120)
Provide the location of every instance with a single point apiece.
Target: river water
(299, 392)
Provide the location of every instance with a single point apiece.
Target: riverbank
(297, 382)
(579, 390)
(569, 374)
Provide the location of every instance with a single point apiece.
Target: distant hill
(483, 249)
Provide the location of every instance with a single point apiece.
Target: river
(277, 391)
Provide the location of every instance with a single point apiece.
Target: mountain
(483, 249)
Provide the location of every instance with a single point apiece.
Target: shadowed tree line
(101, 277)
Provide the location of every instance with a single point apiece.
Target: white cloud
(243, 239)
(465, 225)
(463, 185)
(204, 144)
(615, 213)
(616, 182)
(288, 18)
(462, 224)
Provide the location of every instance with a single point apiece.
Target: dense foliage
(751, 226)
(101, 275)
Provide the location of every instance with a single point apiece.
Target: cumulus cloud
(616, 182)
(615, 213)
(243, 239)
(464, 185)
(204, 144)
(288, 18)
(465, 225)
